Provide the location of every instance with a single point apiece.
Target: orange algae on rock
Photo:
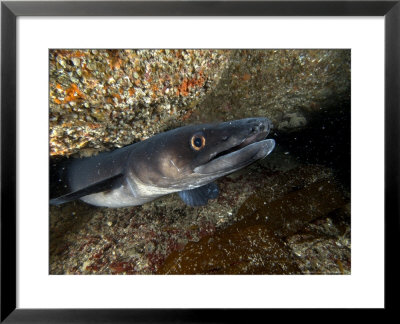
(188, 84)
(73, 93)
(246, 77)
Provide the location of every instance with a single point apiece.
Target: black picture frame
(11, 10)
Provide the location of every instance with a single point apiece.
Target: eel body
(185, 160)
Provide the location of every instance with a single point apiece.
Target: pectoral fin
(200, 195)
(104, 185)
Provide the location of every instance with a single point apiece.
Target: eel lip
(239, 157)
(252, 139)
(245, 142)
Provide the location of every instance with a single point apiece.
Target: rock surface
(104, 99)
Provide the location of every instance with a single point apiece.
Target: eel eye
(197, 142)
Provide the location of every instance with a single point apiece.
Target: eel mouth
(247, 141)
(250, 149)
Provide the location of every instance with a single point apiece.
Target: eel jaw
(239, 156)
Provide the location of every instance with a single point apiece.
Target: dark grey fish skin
(186, 160)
